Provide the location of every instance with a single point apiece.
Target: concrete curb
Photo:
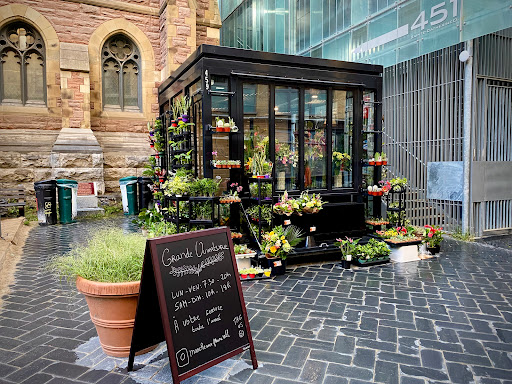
(10, 233)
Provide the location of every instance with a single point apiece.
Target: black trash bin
(145, 194)
(46, 198)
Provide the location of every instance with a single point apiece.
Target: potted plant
(378, 158)
(433, 237)
(373, 252)
(347, 248)
(107, 271)
(277, 244)
(177, 186)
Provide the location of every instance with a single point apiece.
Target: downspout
(466, 135)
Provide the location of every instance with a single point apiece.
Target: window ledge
(23, 109)
(118, 114)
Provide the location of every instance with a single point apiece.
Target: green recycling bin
(129, 195)
(67, 190)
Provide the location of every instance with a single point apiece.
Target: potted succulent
(107, 272)
(433, 237)
(277, 244)
(347, 248)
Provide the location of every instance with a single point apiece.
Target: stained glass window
(22, 65)
(121, 74)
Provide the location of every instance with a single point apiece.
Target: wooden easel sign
(191, 297)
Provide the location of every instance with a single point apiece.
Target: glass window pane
(256, 120)
(342, 135)
(316, 22)
(368, 138)
(130, 88)
(35, 77)
(11, 76)
(111, 83)
(286, 135)
(315, 150)
(220, 110)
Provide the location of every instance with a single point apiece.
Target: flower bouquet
(280, 241)
(284, 206)
(310, 203)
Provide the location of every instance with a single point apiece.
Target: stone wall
(73, 136)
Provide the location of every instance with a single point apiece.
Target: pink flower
(430, 234)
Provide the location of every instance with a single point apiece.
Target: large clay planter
(112, 307)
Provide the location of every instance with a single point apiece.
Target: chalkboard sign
(191, 296)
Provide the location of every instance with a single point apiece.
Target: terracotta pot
(243, 276)
(378, 163)
(252, 275)
(112, 308)
(384, 162)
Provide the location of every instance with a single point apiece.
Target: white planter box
(244, 261)
(404, 254)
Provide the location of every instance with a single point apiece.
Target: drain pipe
(467, 57)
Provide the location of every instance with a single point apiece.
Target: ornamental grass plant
(110, 256)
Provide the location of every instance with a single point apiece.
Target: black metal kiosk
(319, 122)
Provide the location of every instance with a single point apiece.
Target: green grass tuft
(111, 256)
(459, 235)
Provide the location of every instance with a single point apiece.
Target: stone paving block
(364, 358)
(386, 372)
(459, 373)
(296, 356)
(428, 373)
(349, 371)
(276, 370)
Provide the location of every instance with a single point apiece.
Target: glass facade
(381, 32)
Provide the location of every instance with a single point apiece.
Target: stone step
(89, 211)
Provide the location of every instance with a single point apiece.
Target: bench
(7, 195)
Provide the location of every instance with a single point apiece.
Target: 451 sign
(438, 16)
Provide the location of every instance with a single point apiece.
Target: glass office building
(426, 131)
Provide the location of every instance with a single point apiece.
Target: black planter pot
(345, 264)
(434, 250)
(277, 266)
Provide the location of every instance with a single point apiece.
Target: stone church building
(79, 80)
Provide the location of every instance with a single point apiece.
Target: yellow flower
(273, 249)
(282, 237)
(271, 233)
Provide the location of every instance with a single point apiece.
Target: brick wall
(74, 89)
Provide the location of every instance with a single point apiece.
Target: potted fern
(107, 272)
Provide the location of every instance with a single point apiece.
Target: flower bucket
(276, 265)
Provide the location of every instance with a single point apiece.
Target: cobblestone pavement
(442, 320)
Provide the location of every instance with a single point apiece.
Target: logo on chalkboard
(182, 357)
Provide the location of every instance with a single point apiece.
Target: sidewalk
(442, 320)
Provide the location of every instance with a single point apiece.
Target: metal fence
(492, 131)
(422, 110)
(423, 119)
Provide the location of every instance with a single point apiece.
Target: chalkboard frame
(148, 305)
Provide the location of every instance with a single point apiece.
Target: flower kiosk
(270, 127)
